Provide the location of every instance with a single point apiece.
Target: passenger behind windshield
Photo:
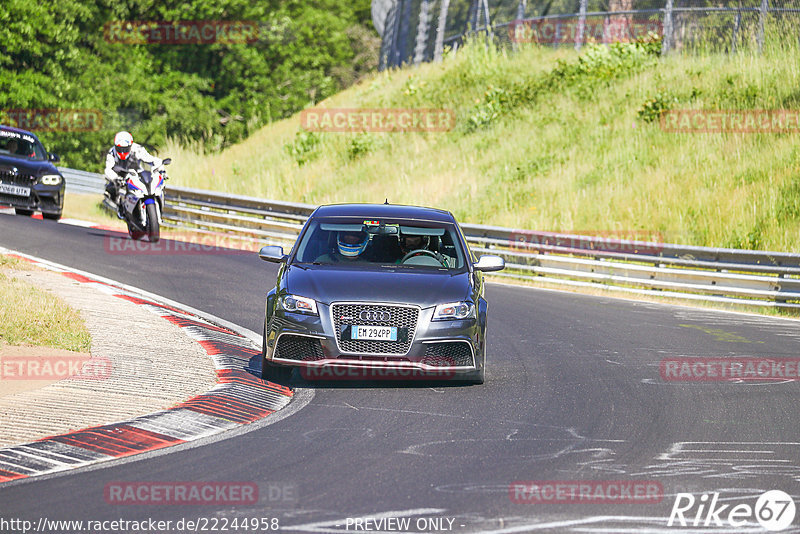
(350, 246)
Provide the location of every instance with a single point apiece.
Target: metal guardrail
(82, 181)
(748, 277)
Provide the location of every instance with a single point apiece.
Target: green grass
(31, 316)
(89, 207)
(549, 140)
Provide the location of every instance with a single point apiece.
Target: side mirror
(53, 157)
(489, 263)
(166, 161)
(273, 254)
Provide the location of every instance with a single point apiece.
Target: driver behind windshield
(411, 242)
(350, 246)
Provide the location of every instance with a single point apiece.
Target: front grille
(300, 348)
(25, 180)
(448, 354)
(401, 317)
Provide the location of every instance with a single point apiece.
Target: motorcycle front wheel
(135, 233)
(153, 231)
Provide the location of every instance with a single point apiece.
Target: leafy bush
(495, 99)
(361, 144)
(653, 108)
(304, 147)
(598, 64)
(601, 63)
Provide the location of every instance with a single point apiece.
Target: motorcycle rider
(124, 155)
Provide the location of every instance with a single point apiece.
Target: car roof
(18, 130)
(388, 211)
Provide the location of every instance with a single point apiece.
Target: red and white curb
(238, 399)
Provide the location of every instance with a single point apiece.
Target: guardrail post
(581, 25)
(666, 42)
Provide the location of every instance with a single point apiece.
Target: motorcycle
(142, 201)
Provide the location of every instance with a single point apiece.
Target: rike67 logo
(774, 510)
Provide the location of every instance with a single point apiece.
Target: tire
(275, 373)
(135, 234)
(153, 230)
(51, 216)
(23, 212)
(478, 377)
(270, 371)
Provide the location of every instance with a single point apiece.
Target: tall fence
(414, 31)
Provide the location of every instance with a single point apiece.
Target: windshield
(21, 146)
(359, 241)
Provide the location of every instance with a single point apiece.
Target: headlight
(454, 310)
(50, 179)
(293, 303)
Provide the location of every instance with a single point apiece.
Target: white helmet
(122, 144)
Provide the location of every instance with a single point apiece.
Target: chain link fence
(414, 31)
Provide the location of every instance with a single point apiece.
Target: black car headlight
(296, 304)
(50, 179)
(454, 310)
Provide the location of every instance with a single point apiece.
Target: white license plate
(15, 190)
(374, 333)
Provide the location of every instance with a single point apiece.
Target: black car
(379, 291)
(28, 179)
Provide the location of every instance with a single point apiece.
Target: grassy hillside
(549, 140)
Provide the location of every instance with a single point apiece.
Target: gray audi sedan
(377, 292)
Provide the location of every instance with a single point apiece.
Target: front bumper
(436, 348)
(45, 198)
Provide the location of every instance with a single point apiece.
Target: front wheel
(269, 371)
(134, 232)
(23, 212)
(51, 216)
(153, 230)
(275, 373)
(477, 378)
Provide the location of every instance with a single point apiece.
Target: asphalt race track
(573, 393)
